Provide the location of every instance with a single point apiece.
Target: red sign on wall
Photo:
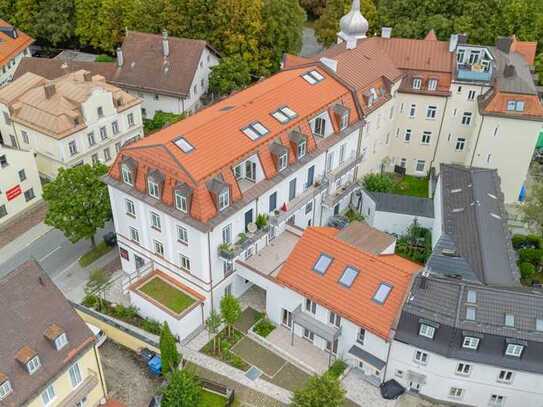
(13, 193)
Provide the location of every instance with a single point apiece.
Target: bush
(159, 120)
(532, 256)
(526, 242)
(353, 215)
(337, 368)
(90, 301)
(378, 183)
(124, 313)
(264, 327)
(261, 220)
(94, 254)
(527, 270)
(151, 326)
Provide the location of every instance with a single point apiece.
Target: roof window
(255, 130)
(313, 77)
(322, 264)
(184, 145)
(5, 387)
(382, 293)
(284, 114)
(348, 276)
(510, 320)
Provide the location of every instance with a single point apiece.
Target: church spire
(353, 26)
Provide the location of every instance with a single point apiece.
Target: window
(292, 189)
(407, 135)
(412, 111)
(308, 335)
(342, 149)
(497, 400)
(471, 313)
(255, 130)
(344, 121)
(382, 293)
(460, 143)
(427, 331)
(283, 161)
(432, 84)
(22, 175)
(182, 234)
(284, 114)
(130, 119)
(514, 350)
(471, 95)
(426, 136)
(155, 220)
(117, 147)
(153, 189)
(403, 162)
(348, 276)
(310, 306)
(72, 147)
(431, 112)
(309, 207)
(322, 264)
(456, 392)
(361, 336)
(515, 106)
(127, 175)
(224, 199)
(330, 161)
(313, 77)
(319, 126)
(417, 83)
(3, 211)
(100, 111)
(48, 395)
(3, 161)
(29, 194)
(184, 145)
(33, 364)
(91, 139)
(334, 319)
(421, 357)
(466, 119)
(227, 234)
(238, 171)
(159, 248)
(130, 209)
(5, 389)
(115, 127)
(505, 376)
(107, 154)
(184, 262)
(509, 320)
(470, 342)
(134, 235)
(272, 202)
(75, 375)
(488, 158)
(181, 202)
(419, 167)
(7, 119)
(463, 369)
(103, 132)
(61, 341)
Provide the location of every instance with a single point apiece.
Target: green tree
(378, 183)
(231, 311)
(53, 22)
(232, 73)
(212, 325)
(169, 355)
(539, 67)
(85, 20)
(7, 10)
(532, 209)
(327, 26)
(25, 16)
(145, 16)
(78, 202)
(189, 18)
(183, 390)
(314, 8)
(283, 29)
(109, 29)
(320, 391)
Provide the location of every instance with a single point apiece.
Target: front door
(287, 318)
(248, 218)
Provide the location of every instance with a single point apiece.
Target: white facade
(9, 68)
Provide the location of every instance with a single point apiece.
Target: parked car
(98, 333)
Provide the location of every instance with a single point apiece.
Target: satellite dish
(252, 228)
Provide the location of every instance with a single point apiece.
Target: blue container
(155, 365)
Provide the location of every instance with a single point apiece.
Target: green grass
(264, 327)
(104, 58)
(94, 254)
(223, 352)
(212, 400)
(410, 185)
(167, 295)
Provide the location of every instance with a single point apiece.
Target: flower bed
(222, 352)
(263, 327)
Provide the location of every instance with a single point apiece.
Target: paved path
(310, 45)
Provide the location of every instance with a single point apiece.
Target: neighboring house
(20, 185)
(288, 151)
(428, 102)
(168, 74)
(14, 45)
(48, 355)
(73, 120)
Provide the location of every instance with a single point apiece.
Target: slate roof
(444, 301)
(31, 304)
(474, 228)
(403, 204)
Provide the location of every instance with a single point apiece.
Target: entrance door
(248, 218)
(287, 318)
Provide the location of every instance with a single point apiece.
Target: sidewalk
(22, 224)
(10, 244)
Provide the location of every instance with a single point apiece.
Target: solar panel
(382, 293)
(184, 145)
(322, 264)
(348, 276)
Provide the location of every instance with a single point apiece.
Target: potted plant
(242, 237)
(226, 250)
(261, 221)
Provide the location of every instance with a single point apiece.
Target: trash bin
(110, 239)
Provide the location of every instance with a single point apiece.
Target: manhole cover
(253, 373)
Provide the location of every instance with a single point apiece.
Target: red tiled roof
(355, 303)
(497, 103)
(525, 48)
(10, 47)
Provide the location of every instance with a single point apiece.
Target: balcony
(298, 202)
(231, 251)
(473, 72)
(343, 191)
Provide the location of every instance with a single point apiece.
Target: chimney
(509, 71)
(351, 43)
(386, 32)
(120, 57)
(504, 44)
(453, 42)
(49, 90)
(87, 76)
(165, 44)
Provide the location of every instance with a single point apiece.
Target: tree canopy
(183, 390)
(232, 73)
(230, 310)
(320, 391)
(78, 201)
(169, 355)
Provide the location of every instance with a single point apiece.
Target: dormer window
(427, 331)
(282, 162)
(342, 115)
(301, 149)
(514, 349)
(224, 199)
(417, 83)
(300, 143)
(470, 342)
(155, 181)
(5, 388)
(344, 121)
(33, 364)
(153, 189)
(127, 175)
(181, 202)
(280, 153)
(432, 84)
(61, 341)
(515, 106)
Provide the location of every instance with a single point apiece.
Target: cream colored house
(20, 186)
(73, 120)
(48, 355)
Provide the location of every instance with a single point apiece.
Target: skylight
(322, 264)
(255, 130)
(313, 77)
(348, 276)
(510, 320)
(284, 114)
(280, 116)
(382, 293)
(184, 145)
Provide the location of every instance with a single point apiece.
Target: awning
(416, 377)
(305, 320)
(367, 357)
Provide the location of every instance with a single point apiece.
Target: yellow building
(48, 355)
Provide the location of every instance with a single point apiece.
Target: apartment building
(168, 74)
(449, 102)
(73, 120)
(48, 355)
(20, 185)
(14, 45)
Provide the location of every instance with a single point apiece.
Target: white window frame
(301, 149)
(456, 393)
(471, 95)
(463, 369)
(417, 83)
(334, 319)
(5, 389)
(407, 135)
(227, 234)
(412, 111)
(282, 161)
(153, 189)
(421, 357)
(158, 248)
(466, 119)
(431, 112)
(361, 336)
(72, 147)
(155, 221)
(181, 202)
(460, 144)
(505, 374)
(427, 331)
(514, 349)
(432, 84)
(48, 395)
(61, 341)
(182, 234)
(134, 233)
(310, 306)
(224, 199)
(496, 400)
(426, 137)
(127, 175)
(33, 364)
(417, 166)
(184, 262)
(76, 378)
(470, 342)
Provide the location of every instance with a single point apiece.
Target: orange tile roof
(497, 103)
(527, 49)
(10, 47)
(355, 303)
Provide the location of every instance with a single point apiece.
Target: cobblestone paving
(21, 223)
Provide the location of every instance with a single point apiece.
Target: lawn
(410, 185)
(224, 352)
(94, 254)
(167, 295)
(212, 400)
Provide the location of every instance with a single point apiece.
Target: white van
(100, 335)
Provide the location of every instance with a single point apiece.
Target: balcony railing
(340, 193)
(231, 251)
